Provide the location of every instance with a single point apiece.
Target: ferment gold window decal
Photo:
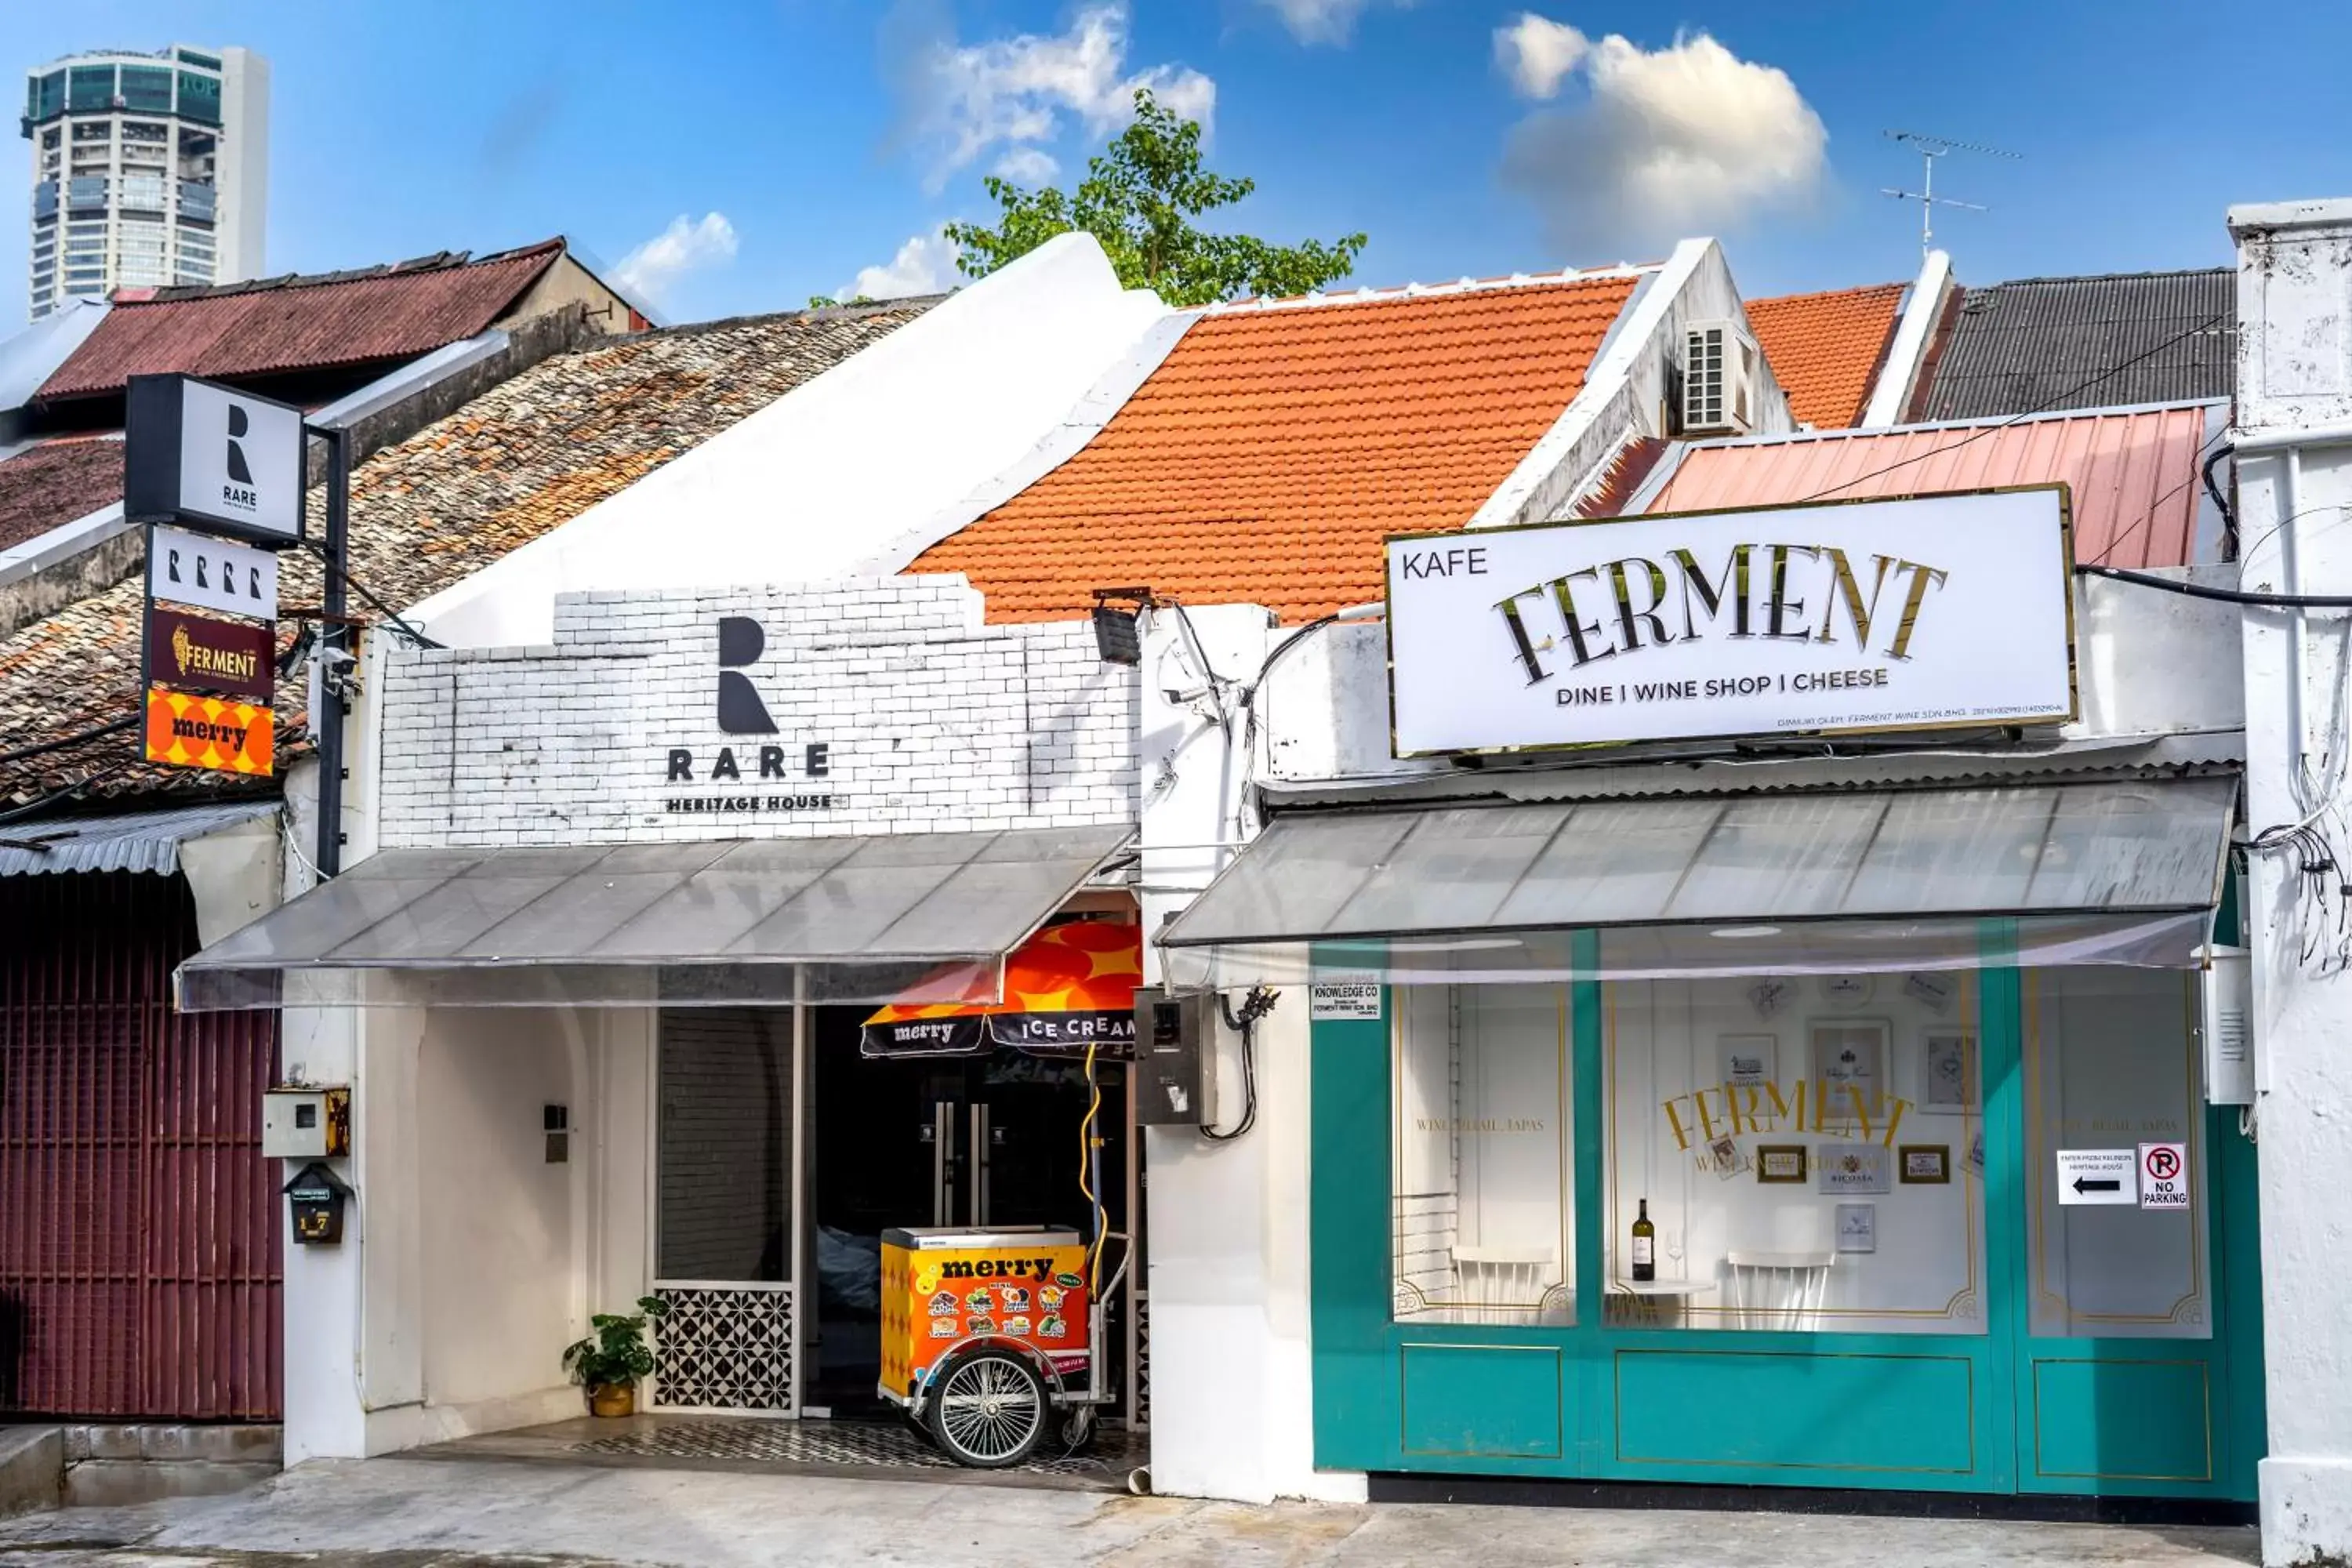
(1482, 1225)
(1809, 1148)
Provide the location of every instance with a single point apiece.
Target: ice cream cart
(992, 1337)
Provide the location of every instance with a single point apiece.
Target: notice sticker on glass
(1342, 997)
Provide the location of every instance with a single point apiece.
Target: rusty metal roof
(46, 486)
(2133, 472)
(299, 323)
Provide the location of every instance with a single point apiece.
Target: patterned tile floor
(887, 1445)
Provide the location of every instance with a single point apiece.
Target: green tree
(1139, 200)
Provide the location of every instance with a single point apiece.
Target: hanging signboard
(1935, 612)
(210, 732)
(211, 573)
(197, 653)
(214, 458)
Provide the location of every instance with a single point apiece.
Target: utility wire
(389, 613)
(110, 728)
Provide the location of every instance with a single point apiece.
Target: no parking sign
(2164, 1176)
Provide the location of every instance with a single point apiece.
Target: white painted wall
(1232, 1390)
(841, 467)
(2295, 477)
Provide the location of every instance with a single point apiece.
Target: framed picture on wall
(1948, 1072)
(1851, 1167)
(1849, 1067)
(1781, 1164)
(1747, 1061)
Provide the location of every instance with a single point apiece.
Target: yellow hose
(1086, 1185)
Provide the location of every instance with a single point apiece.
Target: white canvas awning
(2111, 871)
(928, 915)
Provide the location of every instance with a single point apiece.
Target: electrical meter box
(1175, 1064)
(2226, 981)
(298, 1123)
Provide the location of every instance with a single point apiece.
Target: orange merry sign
(190, 732)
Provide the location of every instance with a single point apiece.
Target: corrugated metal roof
(49, 485)
(304, 325)
(2140, 337)
(2218, 750)
(137, 841)
(2133, 472)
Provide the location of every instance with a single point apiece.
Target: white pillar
(2294, 477)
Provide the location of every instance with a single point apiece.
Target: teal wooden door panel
(2142, 1421)
(1469, 1401)
(1356, 1382)
(1849, 1417)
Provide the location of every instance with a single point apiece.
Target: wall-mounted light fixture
(1117, 610)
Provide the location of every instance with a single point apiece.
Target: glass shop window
(1483, 1228)
(1808, 1151)
(2115, 1214)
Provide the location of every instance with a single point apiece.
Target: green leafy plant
(616, 1353)
(1139, 198)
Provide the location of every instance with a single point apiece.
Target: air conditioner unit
(1719, 361)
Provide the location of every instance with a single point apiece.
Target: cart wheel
(990, 1410)
(1077, 1428)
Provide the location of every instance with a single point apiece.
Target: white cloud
(1664, 143)
(924, 264)
(1028, 165)
(1321, 21)
(1013, 95)
(1536, 53)
(684, 247)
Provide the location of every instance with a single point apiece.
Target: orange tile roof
(1275, 447)
(1826, 349)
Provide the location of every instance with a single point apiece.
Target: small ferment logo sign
(197, 653)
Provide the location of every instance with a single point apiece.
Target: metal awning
(2111, 872)
(829, 919)
(130, 841)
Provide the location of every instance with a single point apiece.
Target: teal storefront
(1887, 1071)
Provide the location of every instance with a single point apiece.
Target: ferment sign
(1935, 612)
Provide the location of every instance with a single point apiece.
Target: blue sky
(826, 135)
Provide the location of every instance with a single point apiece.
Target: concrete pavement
(408, 1512)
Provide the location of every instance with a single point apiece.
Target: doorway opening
(992, 1140)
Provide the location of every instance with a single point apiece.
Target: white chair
(1777, 1289)
(1503, 1284)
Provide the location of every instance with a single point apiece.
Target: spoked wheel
(990, 1410)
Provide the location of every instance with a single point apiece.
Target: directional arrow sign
(2098, 1176)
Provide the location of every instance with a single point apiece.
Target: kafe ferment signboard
(1935, 612)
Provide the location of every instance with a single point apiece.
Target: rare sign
(214, 458)
(211, 573)
(1931, 612)
(197, 653)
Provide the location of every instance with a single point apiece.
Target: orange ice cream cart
(993, 1337)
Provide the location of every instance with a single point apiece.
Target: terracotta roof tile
(54, 483)
(1826, 349)
(1272, 449)
(531, 453)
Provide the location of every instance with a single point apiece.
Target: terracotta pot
(613, 1399)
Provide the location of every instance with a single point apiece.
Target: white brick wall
(934, 721)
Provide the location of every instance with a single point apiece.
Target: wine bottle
(1645, 1246)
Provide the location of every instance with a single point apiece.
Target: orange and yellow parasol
(1067, 988)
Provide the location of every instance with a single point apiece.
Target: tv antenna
(1931, 148)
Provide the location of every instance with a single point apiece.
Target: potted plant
(610, 1361)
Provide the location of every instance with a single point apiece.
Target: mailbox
(298, 1123)
(317, 1195)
